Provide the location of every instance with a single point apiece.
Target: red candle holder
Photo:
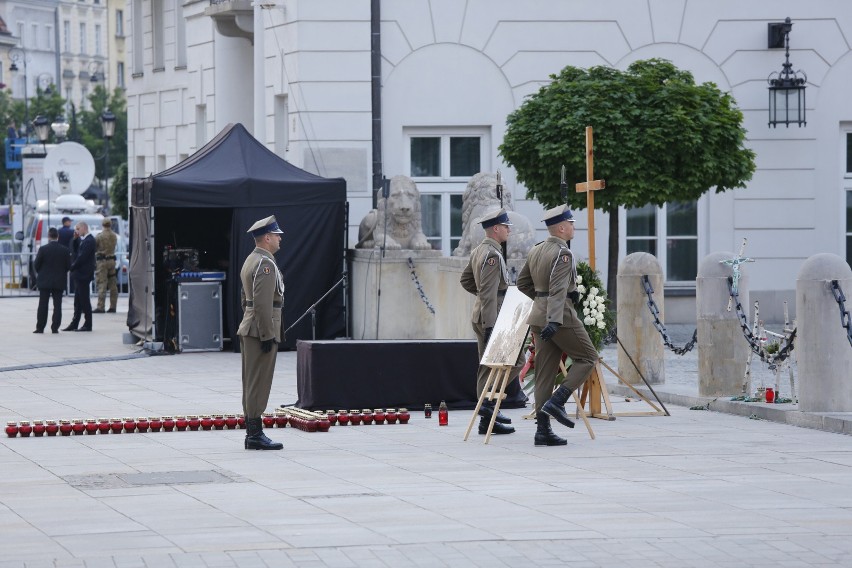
(193, 422)
(241, 421)
(311, 424)
(78, 426)
(51, 427)
(323, 424)
(25, 429)
(142, 424)
(443, 414)
(367, 416)
(38, 428)
(281, 419)
(342, 417)
(231, 421)
(155, 423)
(332, 417)
(91, 426)
(65, 427)
(219, 421)
(181, 423)
(206, 422)
(11, 429)
(129, 425)
(770, 395)
(355, 417)
(390, 415)
(168, 424)
(268, 420)
(403, 415)
(379, 416)
(116, 425)
(103, 425)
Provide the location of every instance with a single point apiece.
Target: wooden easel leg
(657, 411)
(580, 410)
(503, 380)
(489, 384)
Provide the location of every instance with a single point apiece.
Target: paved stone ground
(695, 489)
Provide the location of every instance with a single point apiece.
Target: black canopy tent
(207, 202)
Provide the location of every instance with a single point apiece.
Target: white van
(50, 215)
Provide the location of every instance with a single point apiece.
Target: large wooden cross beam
(589, 187)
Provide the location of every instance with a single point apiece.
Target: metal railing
(15, 274)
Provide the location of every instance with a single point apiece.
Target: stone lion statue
(480, 196)
(404, 223)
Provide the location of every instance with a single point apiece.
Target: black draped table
(391, 374)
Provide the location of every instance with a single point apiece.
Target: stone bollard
(821, 345)
(634, 320)
(722, 349)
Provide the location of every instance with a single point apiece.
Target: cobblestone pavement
(694, 489)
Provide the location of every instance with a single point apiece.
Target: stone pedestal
(634, 320)
(821, 344)
(722, 349)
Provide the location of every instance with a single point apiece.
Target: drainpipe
(376, 90)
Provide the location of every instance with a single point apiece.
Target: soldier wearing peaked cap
(262, 299)
(549, 277)
(485, 276)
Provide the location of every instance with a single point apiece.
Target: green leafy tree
(90, 133)
(118, 191)
(658, 138)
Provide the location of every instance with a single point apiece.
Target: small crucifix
(590, 186)
(735, 270)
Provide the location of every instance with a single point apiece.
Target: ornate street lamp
(108, 126)
(41, 125)
(60, 128)
(19, 54)
(787, 87)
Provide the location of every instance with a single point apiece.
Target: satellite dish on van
(69, 167)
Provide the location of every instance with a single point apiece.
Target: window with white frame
(441, 161)
(48, 36)
(157, 34)
(670, 233)
(98, 39)
(119, 74)
(119, 23)
(66, 36)
(83, 37)
(180, 36)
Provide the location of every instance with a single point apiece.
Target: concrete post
(722, 349)
(634, 320)
(822, 347)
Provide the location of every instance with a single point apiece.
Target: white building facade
(297, 74)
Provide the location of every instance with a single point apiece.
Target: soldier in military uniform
(486, 277)
(549, 277)
(105, 273)
(262, 299)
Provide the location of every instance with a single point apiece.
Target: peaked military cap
(267, 225)
(497, 217)
(557, 215)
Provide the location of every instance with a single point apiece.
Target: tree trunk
(612, 259)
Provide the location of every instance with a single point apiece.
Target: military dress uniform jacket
(547, 277)
(262, 296)
(486, 277)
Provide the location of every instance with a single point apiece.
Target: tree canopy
(658, 137)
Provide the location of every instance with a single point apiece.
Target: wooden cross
(590, 186)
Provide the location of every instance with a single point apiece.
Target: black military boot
(256, 439)
(485, 420)
(544, 435)
(488, 407)
(555, 407)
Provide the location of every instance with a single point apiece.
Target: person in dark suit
(51, 264)
(82, 273)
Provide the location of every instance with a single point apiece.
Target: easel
(495, 390)
(595, 387)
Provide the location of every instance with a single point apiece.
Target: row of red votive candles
(303, 420)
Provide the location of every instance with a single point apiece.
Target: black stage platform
(333, 375)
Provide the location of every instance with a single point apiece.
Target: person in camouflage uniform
(105, 273)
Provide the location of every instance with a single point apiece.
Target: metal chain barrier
(844, 313)
(416, 281)
(772, 359)
(655, 312)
